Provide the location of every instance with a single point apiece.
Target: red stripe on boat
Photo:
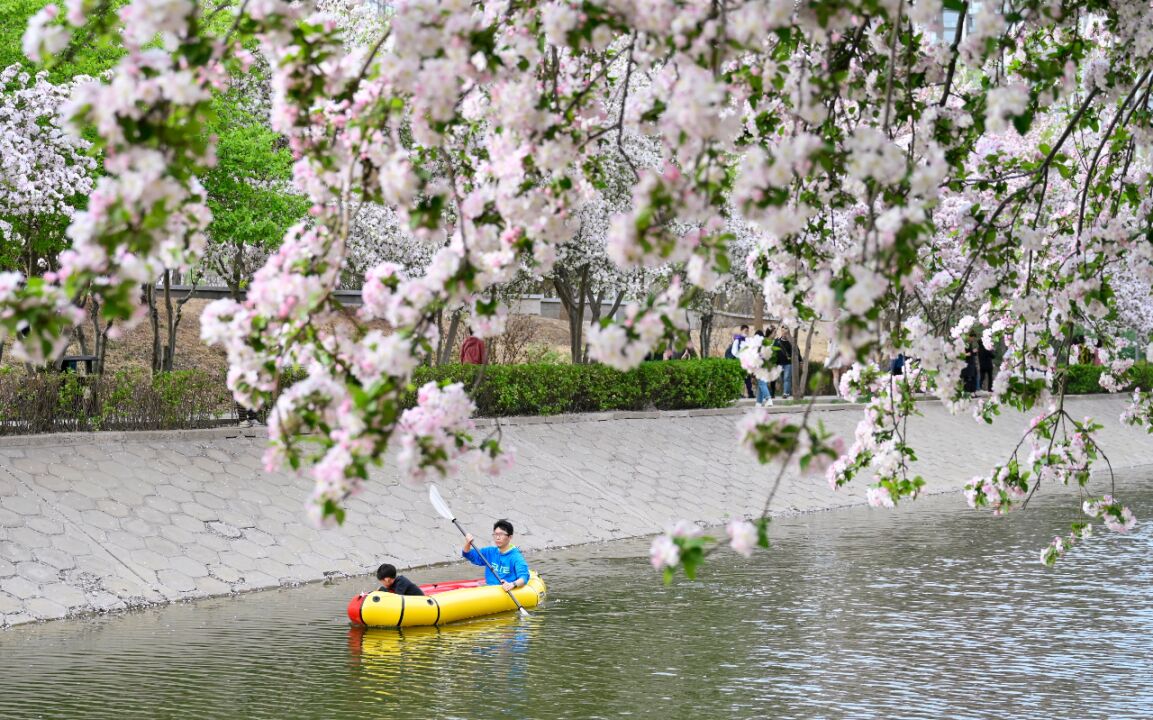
(435, 588)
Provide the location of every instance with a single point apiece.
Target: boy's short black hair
(385, 571)
(503, 524)
(744, 327)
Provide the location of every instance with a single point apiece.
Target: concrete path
(101, 522)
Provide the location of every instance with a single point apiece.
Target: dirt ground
(531, 338)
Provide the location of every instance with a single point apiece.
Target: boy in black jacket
(393, 583)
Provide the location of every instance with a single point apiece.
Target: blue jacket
(509, 565)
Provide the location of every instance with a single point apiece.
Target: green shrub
(548, 389)
(1086, 379)
(135, 400)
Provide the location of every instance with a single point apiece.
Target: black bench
(71, 363)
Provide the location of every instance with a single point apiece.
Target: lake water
(928, 612)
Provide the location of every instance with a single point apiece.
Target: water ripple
(934, 613)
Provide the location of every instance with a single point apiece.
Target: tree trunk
(99, 336)
(758, 311)
(573, 300)
(708, 317)
(149, 292)
(445, 355)
(801, 375)
(597, 305)
(173, 316)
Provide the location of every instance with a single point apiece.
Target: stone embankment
(102, 522)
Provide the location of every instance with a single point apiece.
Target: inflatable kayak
(443, 603)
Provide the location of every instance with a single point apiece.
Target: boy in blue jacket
(504, 557)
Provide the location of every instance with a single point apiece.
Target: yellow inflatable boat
(442, 603)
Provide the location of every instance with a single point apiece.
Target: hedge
(547, 389)
(125, 400)
(132, 400)
(1085, 379)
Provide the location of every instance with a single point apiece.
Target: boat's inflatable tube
(443, 603)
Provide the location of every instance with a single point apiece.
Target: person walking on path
(734, 353)
(764, 392)
(473, 350)
(784, 358)
(509, 569)
(985, 366)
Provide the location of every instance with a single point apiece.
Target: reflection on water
(931, 612)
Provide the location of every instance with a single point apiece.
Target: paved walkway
(100, 522)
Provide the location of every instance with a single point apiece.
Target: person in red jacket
(473, 350)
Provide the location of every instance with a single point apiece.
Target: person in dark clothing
(784, 358)
(393, 583)
(969, 377)
(985, 365)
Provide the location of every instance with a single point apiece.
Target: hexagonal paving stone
(151, 514)
(189, 567)
(9, 518)
(65, 472)
(20, 588)
(202, 554)
(76, 501)
(47, 526)
(243, 563)
(209, 500)
(114, 508)
(211, 586)
(37, 572)
(157, 544)
(73, 544)
(29, 538)
(10, 605)
(100, 519)
(139, 527)
(54, 558)
(177, 581)
(66, 595)
(250, 549)
(22, 505)
(149, 559)
(213, 542)
(46, 609)
(199, 512)
(219, 455)
(126, 540)
(162, 504)
(180, 536)
(259, 537)
(93, 490)
(29, 465)
(173, 493)
(225, 530)
(105, 602)
(225, 573)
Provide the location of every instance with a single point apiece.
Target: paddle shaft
(489, 566)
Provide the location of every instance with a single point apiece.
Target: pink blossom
(742, 536)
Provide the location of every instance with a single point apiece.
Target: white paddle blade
(438, 503)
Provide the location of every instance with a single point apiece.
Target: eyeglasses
(500, 533)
